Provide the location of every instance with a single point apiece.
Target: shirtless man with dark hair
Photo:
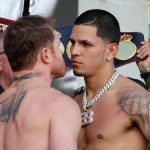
(115, 110)
(32, 114)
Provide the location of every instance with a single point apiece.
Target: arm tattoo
(10, 106)
(137, 104)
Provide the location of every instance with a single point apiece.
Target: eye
(86, 44)
(72, 42)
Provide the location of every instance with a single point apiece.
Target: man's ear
(46, 55)
(112, 50)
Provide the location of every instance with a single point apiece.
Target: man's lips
(75, 63)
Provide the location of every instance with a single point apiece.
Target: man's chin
(79, 74)
(62, 74)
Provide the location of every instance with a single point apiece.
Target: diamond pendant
(87, 117)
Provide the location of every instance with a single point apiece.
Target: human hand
(144, 55)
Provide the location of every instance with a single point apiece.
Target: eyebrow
(82, 41)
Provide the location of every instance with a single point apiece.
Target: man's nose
(75, 49)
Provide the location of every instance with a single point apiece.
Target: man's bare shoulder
(130, 90)
(126, 85)
(133, 98)
(135, 102)
(53, 99)
(63, 106)
(9, 105)
(7, 94)
(44, 96)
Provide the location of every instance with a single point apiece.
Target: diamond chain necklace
(88, 103)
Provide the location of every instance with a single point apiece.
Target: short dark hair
(24, 39)
(107, 25)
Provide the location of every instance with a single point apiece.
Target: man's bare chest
(108, 121)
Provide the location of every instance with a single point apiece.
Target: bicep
(142, 117)
(137, 106)
(64, 128)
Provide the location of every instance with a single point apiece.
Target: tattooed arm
(136, 103)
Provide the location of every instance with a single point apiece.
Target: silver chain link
(88, 103)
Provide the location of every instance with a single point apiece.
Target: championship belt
(65, 33)
(129, 43)
(127, 53)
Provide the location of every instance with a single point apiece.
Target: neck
(29, 75)
(87, 104)
(96, 82)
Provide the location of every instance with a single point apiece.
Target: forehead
(84, 31)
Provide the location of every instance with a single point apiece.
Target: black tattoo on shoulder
(78, 91)
(18, 102)
(6, 108)
(137, 104)
(9, 106)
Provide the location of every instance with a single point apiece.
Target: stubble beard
(79, 74)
